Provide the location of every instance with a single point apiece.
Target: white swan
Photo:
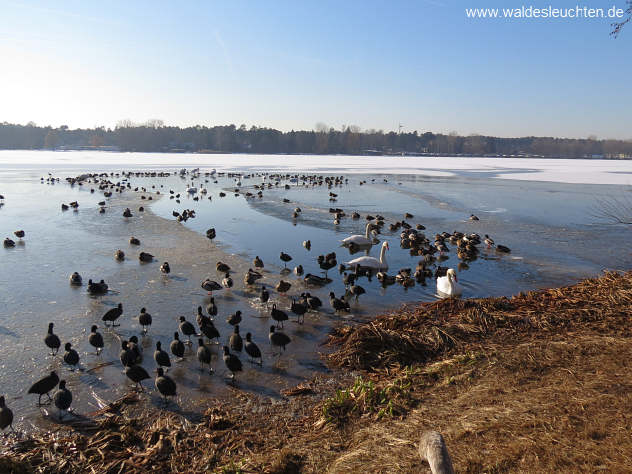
(447, 285)
(359, 239)
(371, 262)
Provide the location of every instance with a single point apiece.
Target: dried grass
(543, 406)
(132, 439)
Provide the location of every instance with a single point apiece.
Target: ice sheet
(580, 171)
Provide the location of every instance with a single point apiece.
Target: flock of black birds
(131, 353)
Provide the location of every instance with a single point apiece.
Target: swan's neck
(383, 255)
(368, 226)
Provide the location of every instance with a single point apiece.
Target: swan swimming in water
(448, 284)
(371, 262)
(359, 239)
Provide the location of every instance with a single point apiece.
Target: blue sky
(289, 64)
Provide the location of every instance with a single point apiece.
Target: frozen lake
(542, 209)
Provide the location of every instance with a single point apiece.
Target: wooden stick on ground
(432, 448)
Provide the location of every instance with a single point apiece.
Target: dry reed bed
(423, 332)
(245, 434)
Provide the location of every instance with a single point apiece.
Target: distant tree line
(154, 136)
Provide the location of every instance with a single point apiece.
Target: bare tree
(154, 123)
(321, 127)
(125, 123)
(51, 140)
(628, 17)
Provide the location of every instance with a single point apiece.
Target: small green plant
(232, 468)
(364, 397)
